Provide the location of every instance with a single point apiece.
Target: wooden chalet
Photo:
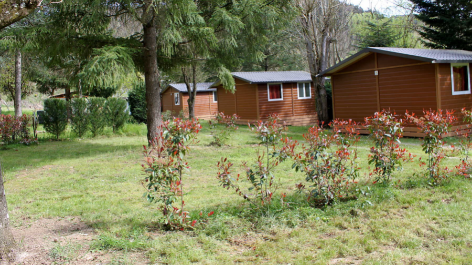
(258, 94)
(400, 79)
(175, 96)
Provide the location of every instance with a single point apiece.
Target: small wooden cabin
(400, 79)
(258, 94)
(175, 96)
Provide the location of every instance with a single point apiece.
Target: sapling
(165, 163)
(260, 173)
(386, 155)
(435, 125)
(329, 161)
(465, 144)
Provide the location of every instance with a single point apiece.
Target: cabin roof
(201, 87)
(425, 55)
(270, 77)
(273, 77)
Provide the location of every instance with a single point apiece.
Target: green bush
(80, 117)
(137, 102)
(55, 116)
(115, 112)
(96, 108)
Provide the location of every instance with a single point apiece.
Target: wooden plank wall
(291, 109)
(411, 88)
(251, 103)
(204, 107)
(447, 100)
(168, 101)
(243, 102)
(401, 84)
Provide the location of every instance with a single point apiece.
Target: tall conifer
(448, 23)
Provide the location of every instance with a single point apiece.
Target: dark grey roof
(201, 87)
(273, 77)
(425, 55)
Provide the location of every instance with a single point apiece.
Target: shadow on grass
(16, 158)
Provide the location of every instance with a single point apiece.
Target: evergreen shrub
(55, 116)
(116, 113)
(80, 119)
(137, 102)
(96, 108)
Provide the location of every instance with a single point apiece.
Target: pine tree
(378, 34)
(448, 23)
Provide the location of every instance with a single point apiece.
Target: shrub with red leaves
(435, 126)
(14, 130)
(329, 161)
(165, 163)
(386, 155)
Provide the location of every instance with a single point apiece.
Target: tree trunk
(192, 98)
(151, 77)
(191, 89)
(322, 96)
(7, 242)
(12, 11)
(17, 99)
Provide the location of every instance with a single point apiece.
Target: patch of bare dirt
(64, 241)
(346, 260)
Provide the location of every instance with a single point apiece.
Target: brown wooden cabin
(259, 94)
(175, 96)
(401, 79)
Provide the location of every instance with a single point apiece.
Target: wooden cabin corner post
(293, 100)
(332, 98)
(377, 81)
(438, 88)
(257, 103)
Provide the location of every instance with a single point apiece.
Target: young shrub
(435, 126)
(165, 163)
(166, 115)
(329, 162)
(220, 137)
(260, 173)
(465, 144)
(55, 116)
(116, 113)
(24, 133)
(96, 108)
(80, 118)
(386, 156)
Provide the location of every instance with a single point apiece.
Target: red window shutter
(275, 92)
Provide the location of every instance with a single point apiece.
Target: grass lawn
(99, 181)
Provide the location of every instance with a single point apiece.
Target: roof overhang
(367, 51)
(218, 83)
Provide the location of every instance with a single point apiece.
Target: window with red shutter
(275, 91)
(460, 79)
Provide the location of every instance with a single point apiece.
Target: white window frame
(215, 93)
(298, 90)
(178, 96)
(281, 91)
(452, 78)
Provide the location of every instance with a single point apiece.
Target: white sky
(384, 6)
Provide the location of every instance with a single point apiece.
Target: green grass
(99, 180)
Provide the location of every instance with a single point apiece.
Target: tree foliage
(448, 23)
